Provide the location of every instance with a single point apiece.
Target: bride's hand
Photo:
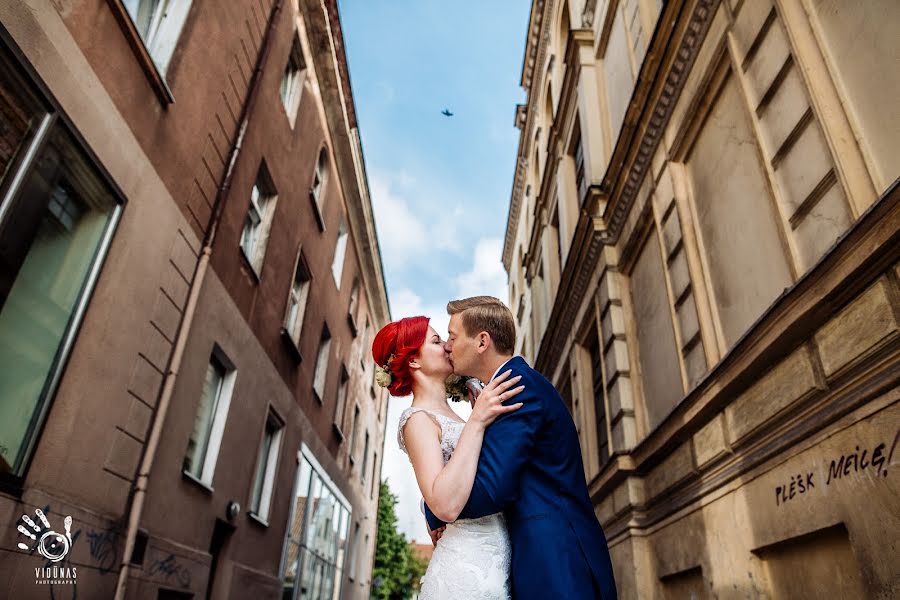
(488, 405)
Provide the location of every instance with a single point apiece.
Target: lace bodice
(471, 560)
(451, 429)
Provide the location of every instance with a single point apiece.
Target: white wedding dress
(471, 560)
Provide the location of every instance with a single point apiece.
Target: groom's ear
(484, 341)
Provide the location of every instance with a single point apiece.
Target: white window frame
(320, 178)
(270, 465)
(298, 299)
(365, 460)
(321, 372)
(163, 30)
(340, 252)
(291, 89)
(220, 416)
(341, 405)
(305, 454)
(258, 223)
(357, 413)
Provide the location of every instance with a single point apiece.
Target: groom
(530, 467)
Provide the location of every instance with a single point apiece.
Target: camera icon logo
(51, 545)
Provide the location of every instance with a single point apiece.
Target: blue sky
(440, 186)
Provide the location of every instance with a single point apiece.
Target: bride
(471, 560)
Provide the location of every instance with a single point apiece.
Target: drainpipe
(140, 486)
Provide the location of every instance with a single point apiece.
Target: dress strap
(404, 417)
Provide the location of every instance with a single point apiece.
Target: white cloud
(406, 303)
(487, 276)
(414, 220)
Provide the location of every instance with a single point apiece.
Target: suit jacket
(530, 468)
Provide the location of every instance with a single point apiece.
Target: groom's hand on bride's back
(436, 534)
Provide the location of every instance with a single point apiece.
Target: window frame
(19, 168)
(261, 512)
(263, 201)
(154, 68)
(340, 252)
(290, 332)
(290, 97)
(318, 186)
(305, 456)
(340, 406)
(322, 360)
(217, 423)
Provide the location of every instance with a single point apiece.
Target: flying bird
(446, 112)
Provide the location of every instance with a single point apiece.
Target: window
(209, 425)
(365, 460)
(592, 346)
(266, 463)
(353, 436)
(354, 306)
(159, 23)
(292, 81)
(315, 546)
(57, 216)
(258, 224)
(341, 402)
(578, 155)
(657, 350)
(322, 364)
(354, 552)
(737, 222)
(340, 249)
(317, 191)
(364, 347)
(374, 479)
(296, 308)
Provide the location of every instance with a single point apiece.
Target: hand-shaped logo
(51, 545)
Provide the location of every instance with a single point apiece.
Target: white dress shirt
(500, 368)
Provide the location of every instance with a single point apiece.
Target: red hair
(399, 342)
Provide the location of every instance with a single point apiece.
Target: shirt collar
(500, 368)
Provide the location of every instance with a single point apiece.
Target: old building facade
(191, 280)
(703, 256)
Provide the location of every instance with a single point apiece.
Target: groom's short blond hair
(486, 313)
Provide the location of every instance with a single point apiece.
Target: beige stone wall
(738, 156)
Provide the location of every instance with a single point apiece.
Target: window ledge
(253, 274)
(317, 211)
(205, 486)
(258, 520)
(291, 345)
(133, 37)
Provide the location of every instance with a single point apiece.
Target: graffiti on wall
(873, 461)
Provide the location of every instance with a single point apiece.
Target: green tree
(397, 570)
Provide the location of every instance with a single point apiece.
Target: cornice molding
(623, 190)
(535, 55)
(644, 125)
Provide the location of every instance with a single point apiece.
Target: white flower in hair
(383, 373)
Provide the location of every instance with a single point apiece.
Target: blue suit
(530, 468)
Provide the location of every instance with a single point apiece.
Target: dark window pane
(49, 239)
(21, 112)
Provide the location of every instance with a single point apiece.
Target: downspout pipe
(139, 494)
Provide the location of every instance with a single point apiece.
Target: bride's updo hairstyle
(394, 346)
